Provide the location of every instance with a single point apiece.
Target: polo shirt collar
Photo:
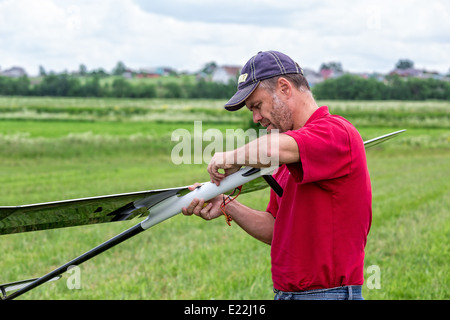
(319, 113)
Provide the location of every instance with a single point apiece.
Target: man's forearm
(258, 224)
(269, 150)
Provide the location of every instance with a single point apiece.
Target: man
(318, 228)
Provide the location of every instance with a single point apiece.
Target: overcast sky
(185, 34)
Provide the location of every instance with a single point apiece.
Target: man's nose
(256, 117)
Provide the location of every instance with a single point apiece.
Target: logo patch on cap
(242, 77)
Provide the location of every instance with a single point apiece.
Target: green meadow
(63, 148)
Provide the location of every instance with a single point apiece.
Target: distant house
(224, 74)
(128, 74)
(417, 73)
(330, 73)
(326, 73)
(154, 72)
(14, 72)
(377, 76)
(367, 75)
(149, 73)
(409, 72)
(433, 75)
(312, 77)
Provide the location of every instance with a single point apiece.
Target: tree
(350, 87)
(82, 70)
(209, 68)
(404, 64)
(14, 86)
(119, 69)
(333, 65)
(172, 90)
(99, 72)
(121, 88)
(92, 87)
(143, 90)
(42, 72)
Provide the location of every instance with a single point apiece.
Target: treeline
(64, 85)
(352, 87)
(347, 87)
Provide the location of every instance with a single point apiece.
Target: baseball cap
(264, 65)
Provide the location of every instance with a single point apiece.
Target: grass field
(59, 148)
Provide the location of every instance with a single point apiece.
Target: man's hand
(206, 210)
(225, 161)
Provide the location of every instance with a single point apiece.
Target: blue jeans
(339, 293)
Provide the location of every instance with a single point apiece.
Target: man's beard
(281, 115)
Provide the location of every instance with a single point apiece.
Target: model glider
(157, 205)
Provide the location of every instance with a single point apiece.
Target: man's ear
(284, 87)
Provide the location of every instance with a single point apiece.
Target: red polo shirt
(323, 218)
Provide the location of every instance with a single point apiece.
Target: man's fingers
(185, 212)
(189, 210)
(195, 207)
(198, 207)
(203, 209)
(231, 171)
(204, 213)
(194, 186)
(215, 175)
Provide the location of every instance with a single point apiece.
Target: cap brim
(238, 100)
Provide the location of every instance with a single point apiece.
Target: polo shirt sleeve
(325, 152)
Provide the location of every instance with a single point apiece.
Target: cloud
(185, 34)
(251, 12)
(64, 34)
